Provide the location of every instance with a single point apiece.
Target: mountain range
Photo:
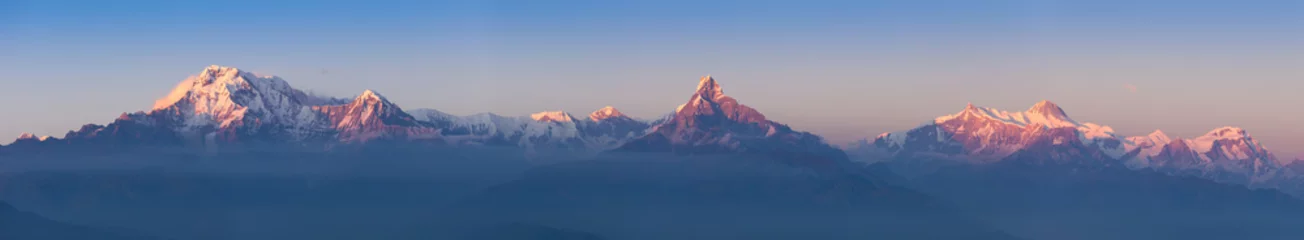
(226, 108)
(712, 160)
(21, 225)
(223, 108)
(977, 136)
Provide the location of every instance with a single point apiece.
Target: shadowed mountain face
(19, 225)
(715, 197)
(1080, 200)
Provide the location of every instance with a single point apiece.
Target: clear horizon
(844, 70)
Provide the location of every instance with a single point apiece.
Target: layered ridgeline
(979, 135)
(224, 108)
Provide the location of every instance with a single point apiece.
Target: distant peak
(219, 86)
(707, 88)
(1158, 138)
(1227, 132)
(370, 94)
(1043, 114)
(605, 113)
(1047, 108)
(1158, 133)
(220, 68)
(29, 136)
(552, 116)
(970, 108)
(219, 73)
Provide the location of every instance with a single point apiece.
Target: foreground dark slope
(20, 225)
(355, 194)
(1072, 201)
(716, 197)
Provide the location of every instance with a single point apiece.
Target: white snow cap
(370, 94)
(216, 80)
(552, 116)
(605, 113)
(1227, 132)
(1045, 113)
(1048, 109)
(709, 89)
(1159, 137)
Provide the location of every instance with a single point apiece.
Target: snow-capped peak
(708, 89)
(1227, 132)
(1150, 145)
(605, 113)
(552, 116)
(709, 100)
(222, 97)
(1044, 113)
(29, 136)
(1048, 109)
(1159, 136)
(1206, 143)
(370, 97)
(370, 94)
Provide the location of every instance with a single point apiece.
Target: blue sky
(843, 69)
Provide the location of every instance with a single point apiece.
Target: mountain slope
(19, 225)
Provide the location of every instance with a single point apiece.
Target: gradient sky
(843, 69)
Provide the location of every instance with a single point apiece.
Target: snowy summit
(605, 113)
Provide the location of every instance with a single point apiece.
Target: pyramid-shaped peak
(1159, 137)
(1047, 108)
(708, 88)
(970, 107)
(552, 116)
(605, 113)
(371, 94)
(1158, 133)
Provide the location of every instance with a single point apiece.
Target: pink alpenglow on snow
(552, 116)
(605, 113)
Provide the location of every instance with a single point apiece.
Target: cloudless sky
(842, 69)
